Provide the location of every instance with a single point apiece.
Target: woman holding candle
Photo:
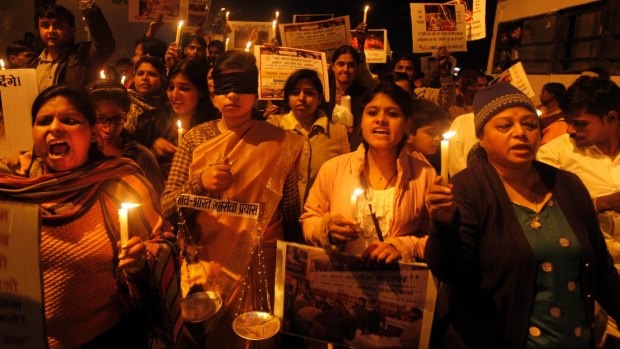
(516, 241)
(89, 278)
(244, 161)
(325, 139)
(188, 102)
(146, 91)
(392, 188)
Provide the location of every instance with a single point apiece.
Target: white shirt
(598, 172)
(461, 142)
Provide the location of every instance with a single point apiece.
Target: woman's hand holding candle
(132, 257)
(342, 229)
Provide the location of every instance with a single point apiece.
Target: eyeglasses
(116, 120)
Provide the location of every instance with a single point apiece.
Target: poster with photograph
(197, 13)
(338, 298)
(475, 12)
(516, 76)
(21, 295)
(311, 17)
(274, 68)
(257, 33)
(147, 10)
(324, 36)
(375, 47)
(429, 62)
(18, 88)
(435, 25)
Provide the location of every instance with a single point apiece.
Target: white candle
(102, 74)
(122, 218)
(366, 13)
(227, 14)
(179, 29)
(277, 15)
(356, 193)
(1, 63)
(273, 27)
(180, 131)
(247, 46)
(445, 158)
(227, 41)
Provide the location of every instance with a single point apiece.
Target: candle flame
(366, 8)
(227, 14)
(248, 44)
(123, 79)
(179, 124)
(180, 24)
(102, 74)
(127, 205)
(223, 9)
(227, 40)
(538, 112)
(449, 135)
(2, 63)
(277, 15)
(358, 192)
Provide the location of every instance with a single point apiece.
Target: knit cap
(495, 98)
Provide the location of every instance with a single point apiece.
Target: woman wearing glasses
(111, 103)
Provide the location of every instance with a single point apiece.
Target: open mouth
(381, 132)
(59, 149)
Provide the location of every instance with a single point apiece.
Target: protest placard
(516, 76)
(257, 33)
(435, 25)
(375, 47)
(21, 296)
(197, 13)
(18, 89)
(303, 18)
(475, 12)
(324, 36)
(275, 67)
(148, 10)
(338, 298)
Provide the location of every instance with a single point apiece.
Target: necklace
(535, 222)
(389, 180)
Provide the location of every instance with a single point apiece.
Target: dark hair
(153, 47)
(406, 57)
(156, 62)
(397, 94)
(399, 76)
(299, 75)
(236, 60)
(426, 112)
(556, 89)
(199, 39)
(123, 61)
(195, 71)
(77, 98)
(217, 43)
(54, 11)
(471, 72)
(594, 95)
(599, 72)
(18, 46)
(108, 90)
(344, 50)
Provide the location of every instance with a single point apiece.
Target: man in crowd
(19, 53)
(552, 117)
(63, 61)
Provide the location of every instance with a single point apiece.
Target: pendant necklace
(535, 222)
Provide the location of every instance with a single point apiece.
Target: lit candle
(123, 79)
(277, 15)
(539, 112)
(122, 218)
(445, 158)
(273, 27)
(227, 14)
(356, 193)
(1, 63)
(102, 74)
(179, 29)
(366, 13)
(180, 130)
(247, 46)
(227, 41)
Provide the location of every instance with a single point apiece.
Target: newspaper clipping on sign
(21, 294)
(275, 67)
(324, 36)
(18, 88)
(338, 298)
(475, 23)
(197, 13)
(375, 46)
(435, 25)
(257, 33)
(148, 10)
(516, 76)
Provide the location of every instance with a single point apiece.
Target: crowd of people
(524, 237)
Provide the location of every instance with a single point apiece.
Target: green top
(558, 318)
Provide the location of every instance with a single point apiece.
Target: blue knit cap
(495, 98)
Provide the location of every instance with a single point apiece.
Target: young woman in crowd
(87, 273)
(243, 160)
(111, 103)
(393, 183)
(188, 102)
(303, 92)
(516, 241)
(147, 91)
